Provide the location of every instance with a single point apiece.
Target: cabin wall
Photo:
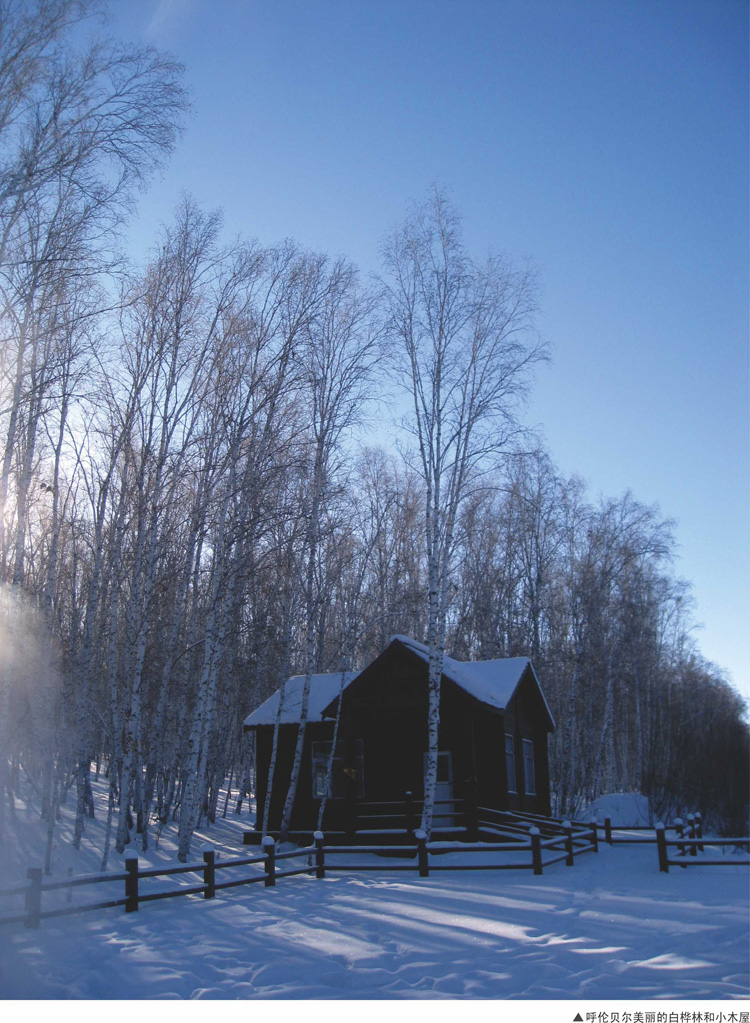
(463, 734)
(525, 719)
(305, 812)
(388, 712)
(489, 741)
(386, 708)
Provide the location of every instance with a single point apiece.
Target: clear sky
(607, 140)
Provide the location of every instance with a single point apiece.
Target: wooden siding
(386, 708)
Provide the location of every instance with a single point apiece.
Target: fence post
(568, 843)
(269, 847)
(699, 829)
(421, 838)
(692, 834)
(608, 830)
(209, 872)
(536, 849)
(33, 897)
(661, 848)
(595, 836)
(680, 831)
(320, 863)
(131, 882)
(409, 798)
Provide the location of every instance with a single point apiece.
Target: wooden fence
(689, 845)
(532, 854)
(529, 842)
(614, 835)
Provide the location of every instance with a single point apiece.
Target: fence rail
(424, 857)
(531, 843)
(690, 845)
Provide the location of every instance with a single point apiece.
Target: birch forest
(195, 504)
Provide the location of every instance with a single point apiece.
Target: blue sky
(606, 140)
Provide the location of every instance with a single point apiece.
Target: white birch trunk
(279, 713)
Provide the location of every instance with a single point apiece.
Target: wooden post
(661, 848)
(209, 872)
(320, 863)
(680, 831)
(699, 829)
(536, 849)
(421, 838)
(595, 836)
(33, 897)
(608, 830)
(692, 833)
(568, 843)
(269, 847)
(409, 798)
(131, 882)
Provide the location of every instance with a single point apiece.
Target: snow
(323, 689)
(622, 808)
(611, 927)
(491, 682)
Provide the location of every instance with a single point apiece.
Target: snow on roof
(491, 682)
(323, 689)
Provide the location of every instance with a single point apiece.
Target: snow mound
(625, 809)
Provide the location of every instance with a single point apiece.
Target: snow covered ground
(611, 927)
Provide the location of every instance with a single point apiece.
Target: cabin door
(443, 817)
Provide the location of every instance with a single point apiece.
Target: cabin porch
(395, 822)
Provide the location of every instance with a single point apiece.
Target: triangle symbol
(577, 1018)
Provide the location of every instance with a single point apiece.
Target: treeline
(186, 517)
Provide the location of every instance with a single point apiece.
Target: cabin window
(528, 767)
(321, 751)
(510, 762)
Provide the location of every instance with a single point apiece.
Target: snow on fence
(624, 836)
(690, 844)
(532, 854)
(532, 842)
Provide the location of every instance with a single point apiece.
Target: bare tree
(100, 118)
(338, 354)
(465, 345)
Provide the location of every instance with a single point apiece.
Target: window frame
(320, 755)
(529, 776)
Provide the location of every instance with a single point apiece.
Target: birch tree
(336, 359)
(465, 346)
(79, 129)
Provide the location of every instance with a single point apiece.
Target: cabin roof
(323, 690)
(490, 682)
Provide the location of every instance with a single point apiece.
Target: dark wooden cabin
(494, 722)
(324, 690)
